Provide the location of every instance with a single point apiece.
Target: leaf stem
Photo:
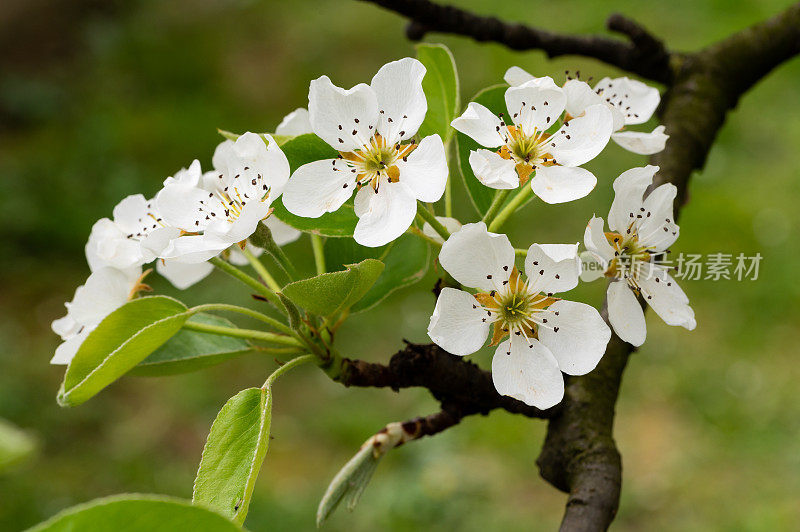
(416, 231)
(247, 312)
(497, 203)
(286, 367)
(250, 334)
(319, 255)
(428, 216)
(259, 267)
(235, 272)
(520, 252)
(525, 192)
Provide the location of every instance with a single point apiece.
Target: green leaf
(135, 513)
(334, 292)
(122, 340)
(191, 350)
(15, 445)
(406, 261)
(441, 89)
(492, 98)
(349, 483)
(301, 150)
(233, 454)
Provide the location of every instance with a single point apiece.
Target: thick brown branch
(460, 386)
(644, 55)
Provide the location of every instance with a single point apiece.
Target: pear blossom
(371, 126)
(223, 207)
(631, 103)
(282, 234)
(642, 228)
(546, 335)
(105, 290)
(295, 123)
(524, 147)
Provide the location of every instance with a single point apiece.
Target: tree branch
(644, 55)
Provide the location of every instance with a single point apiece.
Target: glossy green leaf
(406, 261)
(137, 513)
(233, 454)
(334, 292)
(15, 445)
(301, 150)
(441, 89)
(122, 340)
(492, 98)
(191, 350)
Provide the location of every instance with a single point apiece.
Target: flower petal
(552, 268)
(535, 105)
(451, 224)
(425, 170)
(105, 290)
(282, 233)
(528, 372)
(642, 143)
(190, 249)
(516, 76)
(108, 245)
(629, 190)
(480, 124)
(179, 205)
(658, 228)
(580, 96)
(401, 100)
(578, 337)
(594, 238)
(581, 139)
(633, 98)
(559, 184)
(65, 352)
(182, 275)
(625, 314)
(383, 215)
(492, 170)
(665, 297)
(318, 187)
(345, 119)
(459, 325)
(295, 123)
(477, 258)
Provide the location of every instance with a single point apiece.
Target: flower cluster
(382, 170)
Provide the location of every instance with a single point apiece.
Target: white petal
(66, 327)
(592, 267)
(477, 258)
(459, 325)
(559, 184)
(401, 100)
(594, 238)
(581, 139)
(186, 176)
(451, 224)
(516, 76)
(65, 352)
(179, 205)
(480, 124)
(534, 106)
(666, 298)
(318, 187)
(105, 290)
(181, 275)
(336, 113)
(425, 171)
(625, 313)
(642, 143)
(282, 233)
(385, 215)
(237, 258)
(253, 160)
(156, 241)
(108, 245)
(552, 268)
(580, 96)
(581, 338)
(221, 233)
(295, 123)
(633, 98)
(629, 189)
(657, 228)
(528, 372)
(191, 249)
(492, 170)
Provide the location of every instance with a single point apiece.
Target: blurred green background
(100, 99)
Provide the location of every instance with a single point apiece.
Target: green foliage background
(103, 99)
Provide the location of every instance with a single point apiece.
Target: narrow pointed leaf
(441, 90)
(122, 340)
(233, 454)
(349, 483)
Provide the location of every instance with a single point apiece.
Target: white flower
(220, 208)
(135, 236)
(295, 123)
(547, 335)
(524, 146)
(105, 290)
(451, 224)
(368, 125)
(643, 227)
(631, 102)
(282, 234)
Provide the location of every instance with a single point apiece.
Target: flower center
(374, 159)
(528, 151)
